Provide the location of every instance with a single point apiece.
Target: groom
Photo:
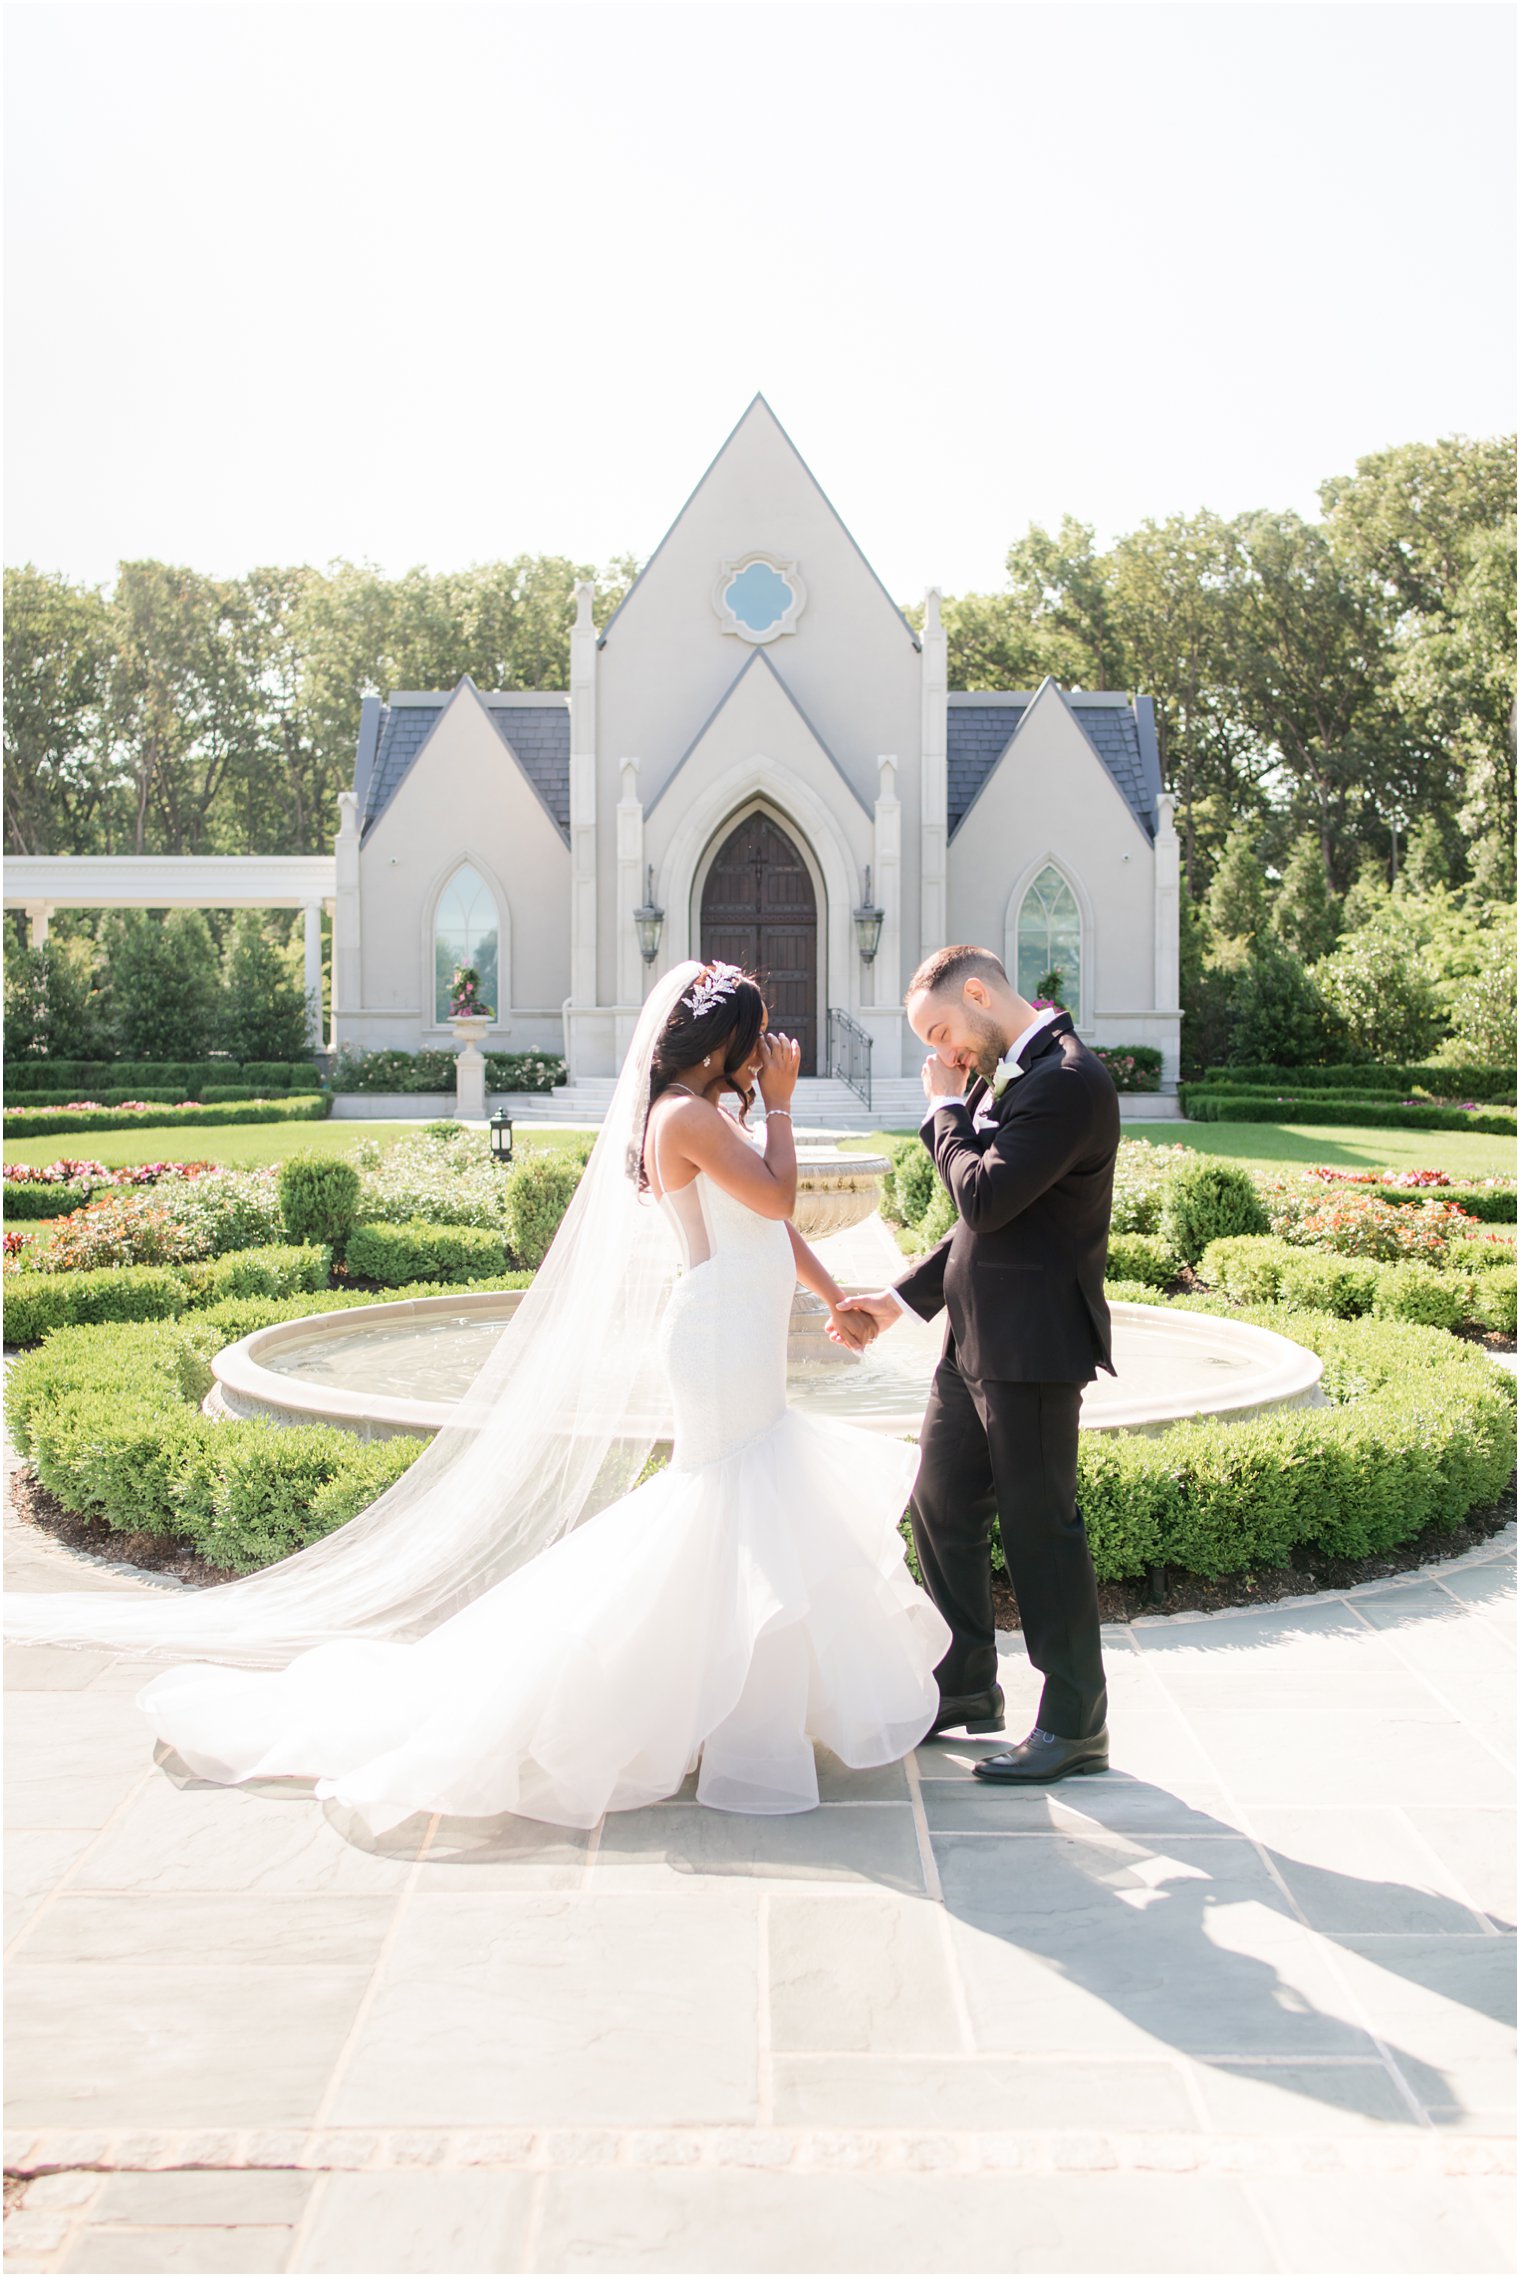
(1027, 1152)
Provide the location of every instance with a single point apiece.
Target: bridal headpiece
(718, 981)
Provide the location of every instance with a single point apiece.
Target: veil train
(558, 1423)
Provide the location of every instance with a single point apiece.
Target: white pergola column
(37, 915)
(582, 817)
(1166, 921)
(313, 976)
(934, 781)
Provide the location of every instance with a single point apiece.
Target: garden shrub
(56, 1122)
(539, 1191)
(1493, 1300)
(319, 1198)
(1421, 1293)
(38, 1302)
(421, 1251)
(1356, 1223)
(1420, 1429)
(443, 1172)
(277, 1269)
(897, 1151)
(940, 1216)
(1141, 1175)
(1341, 1286)
(1202, 1106)
(1142, 1257)
(1134, 1067)
(914, 1182)
(1467, 1082)
(50, 1201)
(1478, 1253)
(1206, 1201)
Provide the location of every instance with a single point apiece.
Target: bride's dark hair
(729, 1026)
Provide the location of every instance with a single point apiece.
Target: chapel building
(757, 759)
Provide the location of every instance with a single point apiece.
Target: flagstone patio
(1242, 2005)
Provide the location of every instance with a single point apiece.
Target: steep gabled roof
(756, 403)
(534, 727)
(1121, 730)
(757, 659)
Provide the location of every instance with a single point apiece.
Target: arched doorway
(759, 910)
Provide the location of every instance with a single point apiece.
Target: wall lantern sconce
(868, 924)
(501, 1138)
(648, 922)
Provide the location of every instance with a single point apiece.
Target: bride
(526, 1621)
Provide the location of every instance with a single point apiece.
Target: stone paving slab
(1245, 2003)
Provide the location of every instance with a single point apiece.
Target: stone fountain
(398, 1368)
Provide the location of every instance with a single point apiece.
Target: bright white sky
(439, 283)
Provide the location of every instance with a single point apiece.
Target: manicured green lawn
(1266, 1146)
(244, 1146)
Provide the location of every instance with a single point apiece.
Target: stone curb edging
(1413, 2150)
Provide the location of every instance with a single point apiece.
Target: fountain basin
(398, 1368)
(835, 1190)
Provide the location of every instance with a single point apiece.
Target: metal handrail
(850, 1054)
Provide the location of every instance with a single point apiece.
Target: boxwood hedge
(50, 1122)
(1209, 1106)
(1470, 1082)
(1420, 1430)
(422, 1251)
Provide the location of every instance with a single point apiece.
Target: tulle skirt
(723, 1618)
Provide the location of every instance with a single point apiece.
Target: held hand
(778, 1068)
(854, 1329)
(880, 1307)
(941, 1082)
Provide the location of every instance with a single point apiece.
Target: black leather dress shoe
(969, 1711)
(1042, 1757)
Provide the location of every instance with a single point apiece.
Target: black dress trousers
(1009, 1451)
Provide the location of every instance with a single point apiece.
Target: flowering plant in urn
(465, 1000)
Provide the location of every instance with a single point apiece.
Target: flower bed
(56, 1122)
(1134, 1067)
(1420, 1431)
(437, 1071)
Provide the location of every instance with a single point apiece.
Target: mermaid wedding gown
(746, 1601)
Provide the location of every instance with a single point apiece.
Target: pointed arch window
(1050, 941)
(465, 932)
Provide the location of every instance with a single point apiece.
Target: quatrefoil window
(758, 597)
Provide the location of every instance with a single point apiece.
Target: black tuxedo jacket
(1021, 1273)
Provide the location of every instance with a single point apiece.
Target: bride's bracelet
(784, 1111)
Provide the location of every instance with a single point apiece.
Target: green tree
(1379, 987)
(1060, 585)
(162, 986)
(1237, 898)
(1278, 1015)
(57, 660)
(1172, 602)
(1304, 912)
(1482, 1008)
(263, 1007)
(52, 1008)
(1426, 861)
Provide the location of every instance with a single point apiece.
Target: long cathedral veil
(559, 1421)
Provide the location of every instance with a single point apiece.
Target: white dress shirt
(986, 1113)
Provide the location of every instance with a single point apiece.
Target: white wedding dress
(745, 1602)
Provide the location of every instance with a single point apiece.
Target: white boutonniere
(1005, 1074)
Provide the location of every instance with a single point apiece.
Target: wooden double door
(759, 910)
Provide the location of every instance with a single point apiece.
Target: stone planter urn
(470, 1080)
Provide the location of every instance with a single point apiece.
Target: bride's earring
(706, 1058)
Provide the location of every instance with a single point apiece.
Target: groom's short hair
(948, 968)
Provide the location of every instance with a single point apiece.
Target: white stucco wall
(464, 799)
(666, 665)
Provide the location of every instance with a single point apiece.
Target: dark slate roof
(539, 735)
(1123, 735)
